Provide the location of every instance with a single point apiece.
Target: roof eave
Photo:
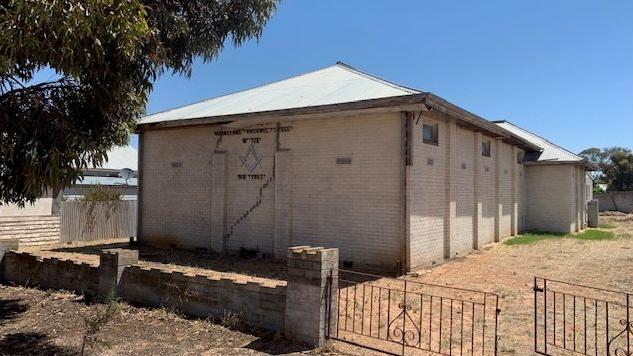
(442, 105)
(587, 165)
(394, 102)
(410, 102)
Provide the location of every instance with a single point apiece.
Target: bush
(93, 324)
(101, 193)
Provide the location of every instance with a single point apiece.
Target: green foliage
(533, 237)
(614, 166)
(106, 55)
(607, 226)
(594, 235)
(619, 172)
(102, 193)
(94, 323)
(597, 189)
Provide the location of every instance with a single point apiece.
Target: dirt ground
(33, 321)
(36, 322)
(247, 268)
(509, 271)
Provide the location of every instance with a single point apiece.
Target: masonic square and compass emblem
(251, 159)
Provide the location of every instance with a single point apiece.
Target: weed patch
(533, 237)
(607, 226)
(94, 323)
(594, 235)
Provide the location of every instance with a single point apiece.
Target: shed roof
(120, 157)
(110, 181)
(551, 152)
(336, 84)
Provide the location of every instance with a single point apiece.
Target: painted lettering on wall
(260, 130)
(251, 176)
(251, 139)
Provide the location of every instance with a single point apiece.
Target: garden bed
(242, 268)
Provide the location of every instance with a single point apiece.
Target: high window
(485, 148)
(520, 157)
(430, 134)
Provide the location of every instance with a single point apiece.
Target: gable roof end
(336, 84)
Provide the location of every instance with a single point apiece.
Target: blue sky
(562, 69)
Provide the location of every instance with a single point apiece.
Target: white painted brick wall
(550, 195)
(428, 200)
(176, 189)
(354, 207)
(428, 205)
(463, 187)
(520, 172)
(487, 168)
(506, 161)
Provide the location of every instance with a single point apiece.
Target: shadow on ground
(276, 346)
(11, 309)
(31, 343)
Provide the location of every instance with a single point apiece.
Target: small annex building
(553, 172)
(394, 177)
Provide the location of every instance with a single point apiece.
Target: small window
(485, 148)
(519, 157)
(430, 134)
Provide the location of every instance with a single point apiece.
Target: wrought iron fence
(401, 315)
(578, 319)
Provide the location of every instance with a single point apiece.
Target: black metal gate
(399, 316)
(577, 319)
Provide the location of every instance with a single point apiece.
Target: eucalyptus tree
(105, 55)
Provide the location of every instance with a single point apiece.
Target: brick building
(392, 176)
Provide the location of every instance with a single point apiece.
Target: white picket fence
(91, 221)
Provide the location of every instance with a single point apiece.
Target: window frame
(520, 157)
(435, 129)
(486, 148)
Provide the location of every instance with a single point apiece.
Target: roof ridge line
(544, 139)
(378, 79)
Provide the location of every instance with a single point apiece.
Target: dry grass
(33, 321)
(510, 270)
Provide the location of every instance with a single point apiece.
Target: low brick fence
(256, 304)
(28, 269)
(298, 309)
(615, 201)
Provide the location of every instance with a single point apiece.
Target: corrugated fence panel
(90, 221)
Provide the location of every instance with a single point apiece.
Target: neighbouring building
(119, 172)
(392, 176)
(122, 162)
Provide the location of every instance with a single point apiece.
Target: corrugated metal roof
(100, 180)
(336, 84)
(551, 152)
(121, 157)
